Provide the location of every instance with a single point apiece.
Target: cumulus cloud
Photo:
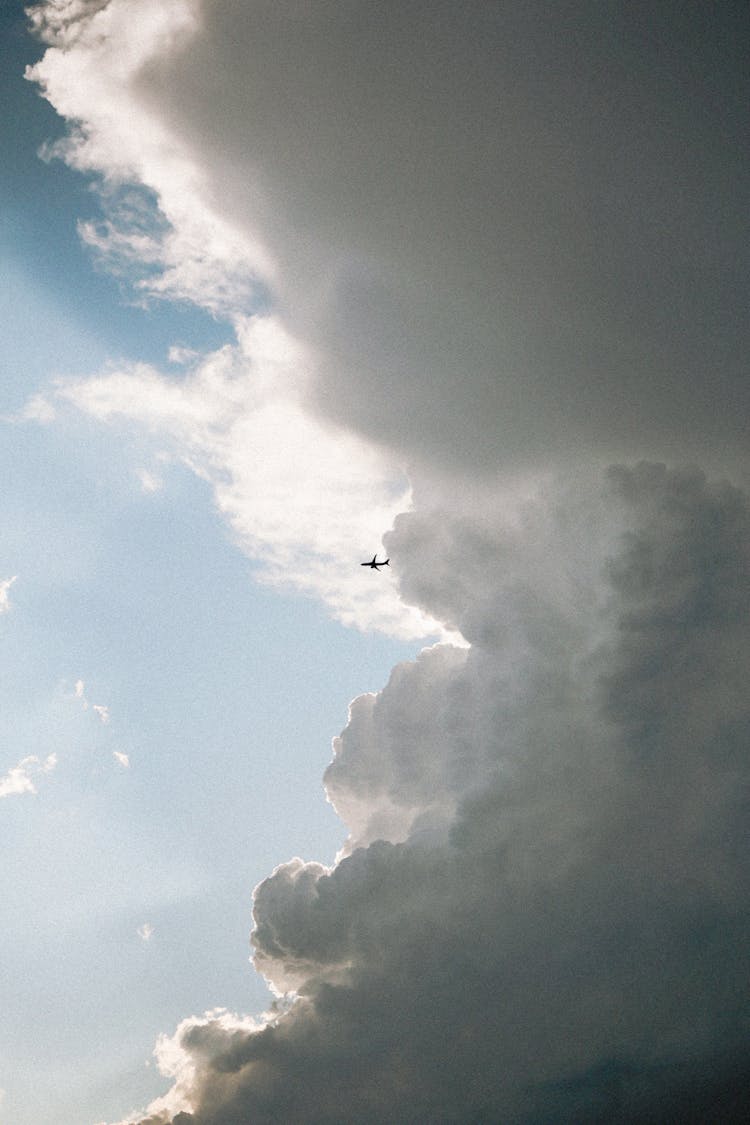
(541, 913)
(102, 711)
(471, 259)
(20, 778)
(122, 759)
(521, 238)
(5, 586)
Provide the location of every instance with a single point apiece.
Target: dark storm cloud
(556, 928)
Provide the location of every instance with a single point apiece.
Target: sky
(286, 283)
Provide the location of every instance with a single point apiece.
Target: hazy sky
(287, 282)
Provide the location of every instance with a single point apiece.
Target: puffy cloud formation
(449, 244)
(542, 910)
(498, 248)
(20, 779)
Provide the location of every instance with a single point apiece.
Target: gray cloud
(508, 232)
(512, 241)
(553, 922)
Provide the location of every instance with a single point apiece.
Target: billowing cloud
(542, 911)
(20, 778)
(504, 235)
(471, 258)
(489, 243)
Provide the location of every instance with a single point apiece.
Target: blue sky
(224, 695)
(293, 283)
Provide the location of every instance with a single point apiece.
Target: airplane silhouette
(375, 565)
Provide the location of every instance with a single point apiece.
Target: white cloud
(146, 931)
(79, 692)
(20, 779)
(307, 499)
(38, 409)
(101, 710)
(5, 586)
(121, 758)
(97, 56)
(181, 355)
(150, 482)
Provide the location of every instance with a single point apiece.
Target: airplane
(375, 565)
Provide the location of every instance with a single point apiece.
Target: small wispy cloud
(5, 586)
(145, 931)
(181, 355)
(38, 409)
(19, 779)
(150, 482)
(101, 709)
(123, 759)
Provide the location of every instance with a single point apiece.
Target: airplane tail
(386, 562)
